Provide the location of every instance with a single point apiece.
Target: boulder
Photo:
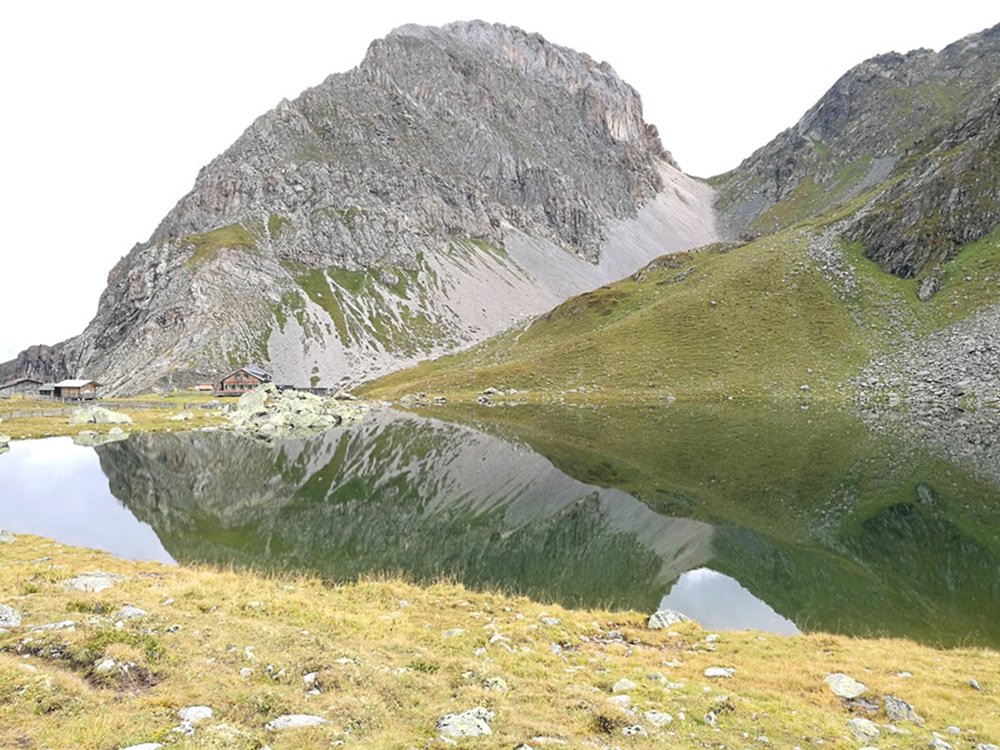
(98, 415)
(897, 709)
(665, 618)
(844, 686)
(471, 723)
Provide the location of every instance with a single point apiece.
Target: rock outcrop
(893, 116)
(458, 180)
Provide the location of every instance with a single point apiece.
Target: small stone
(974, 684)
(9, 617)
(844, 686)
(635, 730)
(986, 746)
(246, 673)
(864, 730)
(712, 638)
(710, 718)
(938, 744)
(665, 618)
(471, 723)
(6, 537)
(293, 721)
(108, 665)
(904, 675)
(620, 700)
(452, 632)
(128, 612)
(954, 730)
(623, 686)
(658, 718)
(195, 714)
(719, 672)
(310, 679)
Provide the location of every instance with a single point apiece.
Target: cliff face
(458, 180)
(894, 117)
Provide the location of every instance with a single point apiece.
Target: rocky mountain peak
(459, 179)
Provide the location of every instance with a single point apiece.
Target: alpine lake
(779, 519)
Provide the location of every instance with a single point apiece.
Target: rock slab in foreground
(471, 723)
(92, 583)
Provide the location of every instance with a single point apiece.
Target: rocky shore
(943, 390)
(269, 414)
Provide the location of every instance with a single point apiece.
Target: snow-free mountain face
(460, 179)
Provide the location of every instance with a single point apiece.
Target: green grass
(205, 245)
(756, 321)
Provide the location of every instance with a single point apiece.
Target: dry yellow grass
(386, 667)
(23, 418)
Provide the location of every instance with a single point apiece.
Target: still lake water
(741, 518)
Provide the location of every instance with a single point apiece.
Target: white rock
(844, 686)
(194, 714)
(92, 582)
(108, 665)
(620, 700)
(635, 730)
(452, 632)
(9, 617)
(6, 537)
(863, 729)
(293, 721)
(665, 618)
(717, 672)
(471, 723)
(658, 718)
(712, 638)
(938, 744)
(552, 621)
(623, 686)
(128, 612)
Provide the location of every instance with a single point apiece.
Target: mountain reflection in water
(804, 521)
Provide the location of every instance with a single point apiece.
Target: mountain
(926, 122)
(459, 180)
(871, 224)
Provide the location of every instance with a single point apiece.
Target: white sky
(109, 109)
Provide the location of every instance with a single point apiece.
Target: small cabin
(242, 380)
(75, 390)
(20, 387)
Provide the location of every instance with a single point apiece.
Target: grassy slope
(758, 321)
(23, 418)
(386, 670)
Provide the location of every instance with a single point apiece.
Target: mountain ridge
(334, 239)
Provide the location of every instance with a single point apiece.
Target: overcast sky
(109, 109)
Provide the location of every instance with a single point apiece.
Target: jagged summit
(458, 180)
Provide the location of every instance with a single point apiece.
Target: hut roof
(78, 383)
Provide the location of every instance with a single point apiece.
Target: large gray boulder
(9, 617)
(98, 415)
(268, 413)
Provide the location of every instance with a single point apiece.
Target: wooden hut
(20, 387)
(242, 380)
(76, 390)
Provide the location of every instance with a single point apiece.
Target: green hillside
(756, 321)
